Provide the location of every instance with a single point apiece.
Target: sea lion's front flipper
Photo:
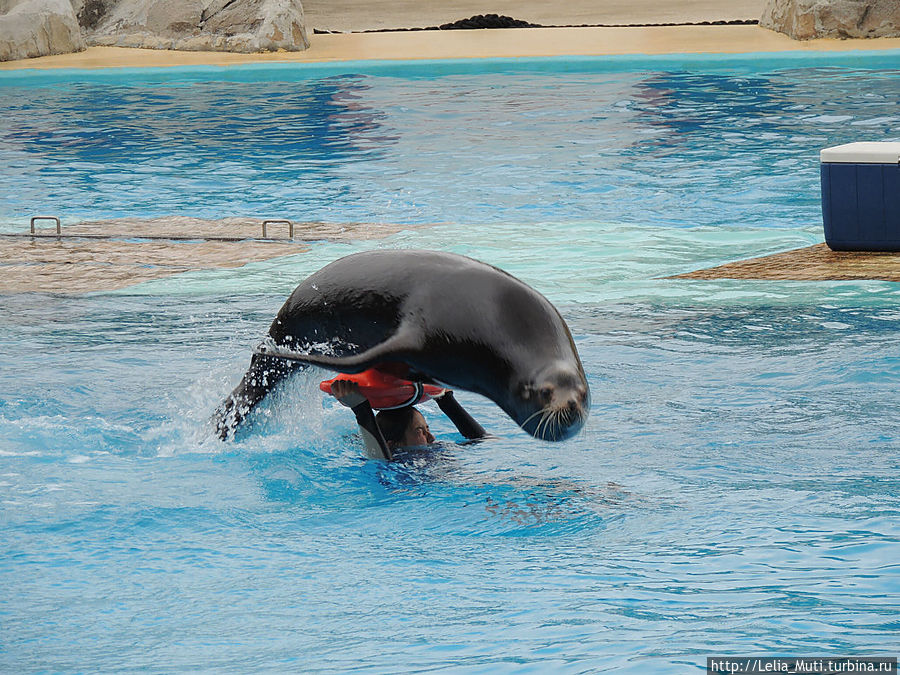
(391, 349)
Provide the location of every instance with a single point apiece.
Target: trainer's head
(404, 427)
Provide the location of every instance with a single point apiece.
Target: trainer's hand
(347, 393)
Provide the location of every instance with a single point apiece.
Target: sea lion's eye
(546, 394)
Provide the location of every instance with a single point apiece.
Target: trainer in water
(429, 317)
(400, 427)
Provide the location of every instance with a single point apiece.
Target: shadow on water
(308, 459)
(184, 142)
(322, 122)
(743, 113)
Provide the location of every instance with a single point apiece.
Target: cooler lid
(866, 152)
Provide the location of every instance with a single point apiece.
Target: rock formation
(37, 27)
(196, 25)
(808, 19)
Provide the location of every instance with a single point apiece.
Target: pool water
(735, 490)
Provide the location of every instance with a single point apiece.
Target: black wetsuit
(372, 436)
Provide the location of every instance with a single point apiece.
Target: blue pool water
(735, 490)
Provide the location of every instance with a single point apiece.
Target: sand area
(629, 31)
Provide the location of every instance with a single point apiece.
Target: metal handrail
(167, 237)
(290, 225)
(59, 234)
(54, 218)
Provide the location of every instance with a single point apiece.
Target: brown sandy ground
(459, 44)
(352, 15)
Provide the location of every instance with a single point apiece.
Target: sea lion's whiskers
(530, 417)
(539, 429)
(558, 416)
(546, 422)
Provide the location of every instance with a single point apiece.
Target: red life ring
(384, 391)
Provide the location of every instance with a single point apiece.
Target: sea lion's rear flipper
(391, 349)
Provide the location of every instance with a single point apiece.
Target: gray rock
(31, 28)
(808, 19)
(197, 25)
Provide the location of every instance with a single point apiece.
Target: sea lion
(431, 317)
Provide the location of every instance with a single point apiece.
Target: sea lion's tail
(264, 374)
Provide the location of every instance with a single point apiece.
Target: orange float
(384, 391)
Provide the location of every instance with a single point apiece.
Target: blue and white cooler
(861, 196)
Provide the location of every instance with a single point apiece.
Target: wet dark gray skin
(432, 317)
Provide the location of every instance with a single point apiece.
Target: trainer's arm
(464, 422)
(376, 446)
(349, 395)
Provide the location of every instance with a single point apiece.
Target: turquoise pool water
(735, 490)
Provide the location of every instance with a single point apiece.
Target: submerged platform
(110, 255)
(114, 254)
(812, 263)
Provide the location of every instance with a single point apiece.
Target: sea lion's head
(554, 403)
